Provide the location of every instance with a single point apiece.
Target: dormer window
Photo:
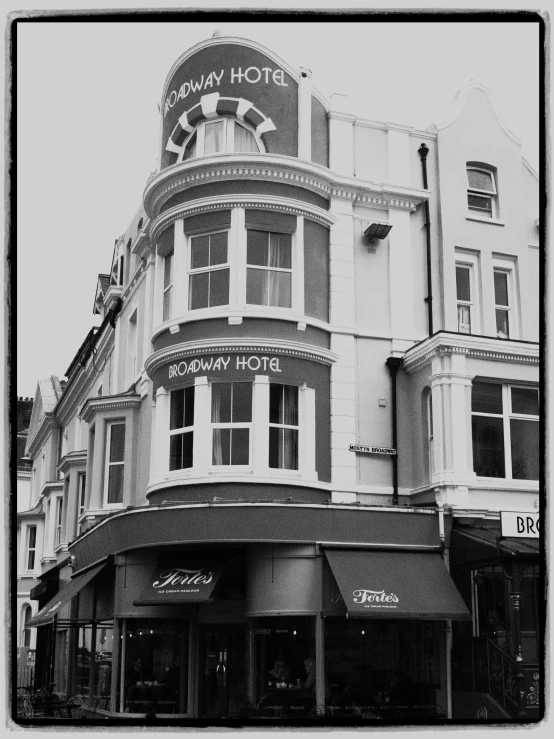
(220, 136)
(481, 191)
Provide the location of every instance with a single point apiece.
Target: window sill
(481, 219)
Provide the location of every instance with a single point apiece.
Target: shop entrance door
(223, 670)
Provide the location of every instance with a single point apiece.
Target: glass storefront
(383, 669)
(284, 666)
(155, 664)
(94, 665)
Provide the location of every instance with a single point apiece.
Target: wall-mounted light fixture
(376, 230)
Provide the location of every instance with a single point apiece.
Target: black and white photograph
(277, 290)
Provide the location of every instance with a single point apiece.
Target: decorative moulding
(219, 346)
(108, 403)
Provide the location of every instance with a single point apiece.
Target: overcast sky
(88, 127)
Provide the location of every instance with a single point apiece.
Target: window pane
(240, 439)
(283, 404)
(213, 141)
(486, 397)
(198, 288)
(500, 288)
(279, 289)
(218, 248)
(463, 291)
(283, 448)
(244, 139)
(117, 442)
(189, 406)
(31, 560)
(257, 247)
(481, 203)
(115, 483)
(275, 403)
(168, 269)
(257, 286)
(199, 252)
(221, 402)
(488, 446)
(32, 537)
(479, 180)
(167, 304)
(177, 411)
(219, 287)
(242, 402)
(221, 451)
(502, 326)
(280, 251)
(180, 451)
(525, 449)
(525, 400)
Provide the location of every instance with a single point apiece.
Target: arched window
(481, 190)
(220, 136)
(26, 614)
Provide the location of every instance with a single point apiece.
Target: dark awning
(189, 582)
(392, 584)
(492, 537)
(51, 609)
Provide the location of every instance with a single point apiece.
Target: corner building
(246, 471)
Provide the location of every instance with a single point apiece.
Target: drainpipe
(423, 151)
(394, 364)
(448, 624)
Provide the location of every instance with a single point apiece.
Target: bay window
(181, 428)
(209, 271)
(283, 426)
(505, 430)
(115, 463)
(59, 522)
(231, 423)
(269, 269)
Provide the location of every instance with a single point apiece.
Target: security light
(376, 230)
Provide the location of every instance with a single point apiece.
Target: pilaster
(343, 409)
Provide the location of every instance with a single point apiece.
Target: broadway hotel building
(306, 429)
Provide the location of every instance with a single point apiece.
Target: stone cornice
(263, 202)
(474, 347)
(288, 170)
(108, 403)
(73, 459)
(268, 346)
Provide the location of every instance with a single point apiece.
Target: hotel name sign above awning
(515, 524)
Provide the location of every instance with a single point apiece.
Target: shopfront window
(94, 665)
(284, 649)
(155, 666)
(383, 669)
(529, 613)
(491, 606)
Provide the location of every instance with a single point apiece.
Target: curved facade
(246, 531)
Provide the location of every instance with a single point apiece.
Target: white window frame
(190, 272)
(232, 425)
(228, 138)
(491, 195)
(108, 464)
(167, 288)
(81, 492)
(58, 522)
(470, 259)
(506, 416)
(287, 426)
(293, 272)
(462, 305)
(29, 548)
(180, 431)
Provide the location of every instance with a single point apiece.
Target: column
(305, 114)
(180, 279)
(161, 432)
(260, 426)
(341, 136)
(343, 414)
(202, 444)
(97, 481)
